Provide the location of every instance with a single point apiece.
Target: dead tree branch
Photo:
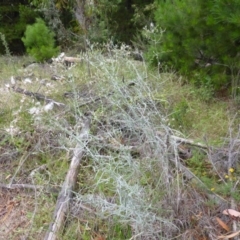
(180, 140)
(62, 205)
(38, 96)
(188, 142)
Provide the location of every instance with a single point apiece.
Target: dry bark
(64, 197)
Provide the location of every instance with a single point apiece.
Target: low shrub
(39, 41)
(198, 37)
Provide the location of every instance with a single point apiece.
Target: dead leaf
(231, 212)
(223, 224)
(8, 176)
(229, 236)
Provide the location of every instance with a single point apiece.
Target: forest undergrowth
(161, 159)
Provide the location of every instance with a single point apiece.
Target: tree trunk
(80, 13)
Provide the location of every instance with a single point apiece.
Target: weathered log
(64, 197)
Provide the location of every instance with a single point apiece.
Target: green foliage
(4, 42)
(198, 165)
(179, 116)
(15, 15)
(120, 231)
(39, 41)
(200, 36)
(119, 20)
(205, 86)
(60, 19)
(203, 169)
(27, 14)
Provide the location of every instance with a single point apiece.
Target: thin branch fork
(65, 195)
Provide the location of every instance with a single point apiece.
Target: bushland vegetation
(109, 147)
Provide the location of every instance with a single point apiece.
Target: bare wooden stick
(65, 195)
(188, 141)
(184, 141)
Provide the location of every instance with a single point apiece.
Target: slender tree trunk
(80, 13)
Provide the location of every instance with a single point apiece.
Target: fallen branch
(62, 205)
(188, 142)
(29, 186)
(180, 140)
(38, 96)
